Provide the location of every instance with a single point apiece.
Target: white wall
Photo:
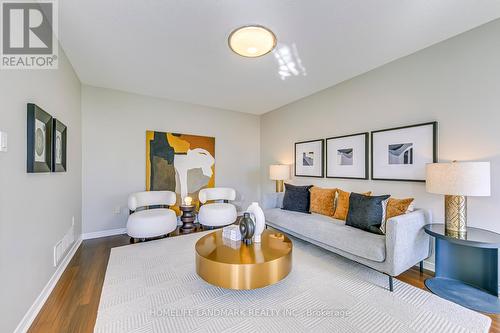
(456, 82)
(114, 151)
(35, 209)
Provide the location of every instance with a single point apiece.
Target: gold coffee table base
(234, 265)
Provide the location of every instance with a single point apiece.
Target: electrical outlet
(117, 210)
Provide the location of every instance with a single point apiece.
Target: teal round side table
(466, 269)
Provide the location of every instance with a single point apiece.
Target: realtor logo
(28, 35)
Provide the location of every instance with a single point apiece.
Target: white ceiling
(177, 49)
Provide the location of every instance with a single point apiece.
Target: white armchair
(217, 214)
(144, 222)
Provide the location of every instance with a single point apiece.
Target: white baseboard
(104, 233)
(30, 316)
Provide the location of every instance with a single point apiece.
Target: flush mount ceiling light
(252, 41)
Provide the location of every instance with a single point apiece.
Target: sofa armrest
(406, 241)
(272, 200)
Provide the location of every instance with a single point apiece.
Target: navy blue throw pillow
(297, 198)
(365, 212)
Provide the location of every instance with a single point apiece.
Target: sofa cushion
(297, 198)
(365, 212)
(329, 231)
(322, 200)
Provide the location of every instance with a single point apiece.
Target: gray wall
(456, 82)
(114, 151)
(35, 209)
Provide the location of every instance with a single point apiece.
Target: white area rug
(153, 287)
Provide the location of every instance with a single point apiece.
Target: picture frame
(59, 146)
(401, 153)
(347, 156)
(39, 140)
(309, 158)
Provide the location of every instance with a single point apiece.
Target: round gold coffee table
(234, 265)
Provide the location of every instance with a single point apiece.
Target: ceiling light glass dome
(252, 41)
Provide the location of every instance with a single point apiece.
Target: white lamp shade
(279, 172)
(458, 178)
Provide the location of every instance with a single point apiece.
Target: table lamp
(457, 180)
(279, 173)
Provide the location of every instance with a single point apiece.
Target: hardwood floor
(72, 305)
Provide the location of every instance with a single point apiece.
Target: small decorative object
(456, 181)
(401, 153)
(233, 244)
(309, 160)
(39, 130)
(259, 218)
(59, 139)
(188, 216)
(279, 173)
(232, 232)
(247, 228)
(188, 201)
(347, 156)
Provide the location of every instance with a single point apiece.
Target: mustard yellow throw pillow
(396, 207)
(342, 207)
(322, 200)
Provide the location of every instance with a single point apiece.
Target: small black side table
(188, 216)
(466, 269)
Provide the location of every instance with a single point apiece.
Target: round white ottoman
(151, 223)
(217, 214)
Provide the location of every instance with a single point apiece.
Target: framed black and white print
(401, 153)
(39, 140)
(347, 156)
(309, 161)
(59, 139)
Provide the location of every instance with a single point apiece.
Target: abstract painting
(347, 156)
(309, 158)
(401, 153)
(180, 163)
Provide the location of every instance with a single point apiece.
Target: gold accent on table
(280, 186)
(455, 210)
(246, 266)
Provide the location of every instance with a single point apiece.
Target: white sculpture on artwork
(259, 219)
(193, 159)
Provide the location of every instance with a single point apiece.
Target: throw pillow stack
(362, 211)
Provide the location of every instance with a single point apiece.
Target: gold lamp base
(279, 186)
(455, 210)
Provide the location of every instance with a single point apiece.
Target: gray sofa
(404, 245)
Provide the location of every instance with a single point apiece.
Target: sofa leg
(391, 284)
(422, 266)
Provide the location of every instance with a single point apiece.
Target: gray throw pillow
(297, 198)
(365, 212)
